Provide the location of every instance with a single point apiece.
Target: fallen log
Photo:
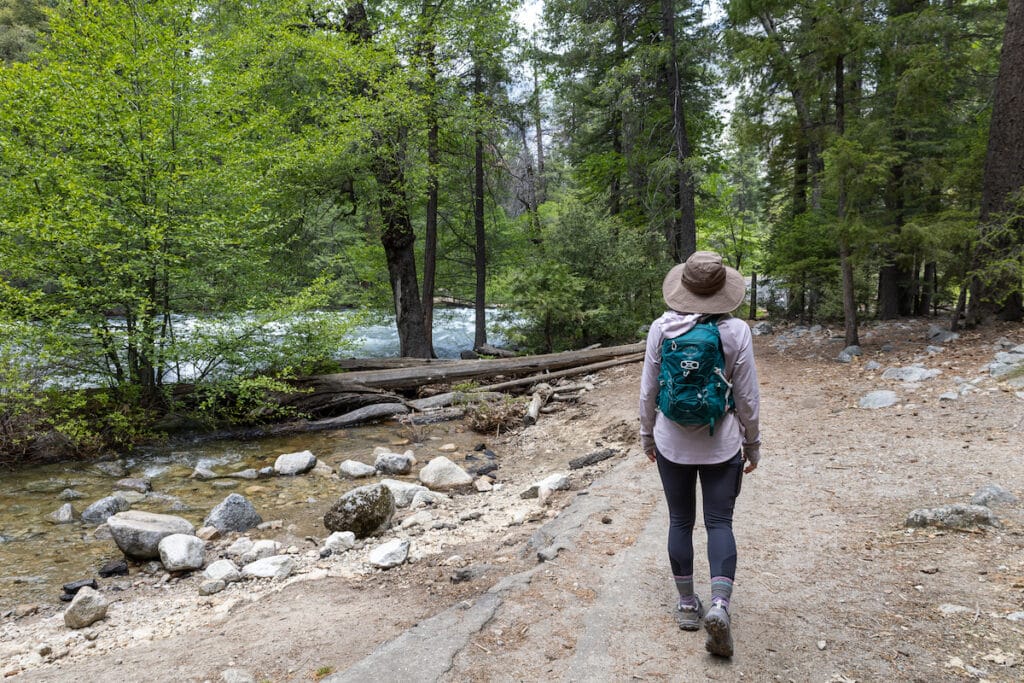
(405, 378)
(540, 397)
(453, 397)
(579, 370)
(356, 417)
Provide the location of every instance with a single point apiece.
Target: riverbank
(830, 501)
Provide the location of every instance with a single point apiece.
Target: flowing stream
(38, 556)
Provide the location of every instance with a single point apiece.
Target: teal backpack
(693, 388)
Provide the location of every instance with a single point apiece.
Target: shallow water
(37, 556)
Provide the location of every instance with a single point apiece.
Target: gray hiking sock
(721, 590)
(684, 584)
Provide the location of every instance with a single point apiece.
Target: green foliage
(592, 280)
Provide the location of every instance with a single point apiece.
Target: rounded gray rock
(957, 516)
(88, 607)
(65, 515)
(390, 554)
(276, 567)
(364, 511)
(182, 552)
(102, 509)
(291, 464)
(138, 534)
(403, 491)
(234, 513)
(222, 570)
(441, 474)
(394, 463)
(353, 469)
(993, 494)
(878, 399)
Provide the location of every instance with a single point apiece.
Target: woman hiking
(701, 422)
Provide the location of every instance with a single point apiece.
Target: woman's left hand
(651, 456)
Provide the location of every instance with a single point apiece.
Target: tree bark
(430, 233)
(753, 296)
(845, 260)
(999, 295)
(399, 239)
(683, 226)
(480, 256)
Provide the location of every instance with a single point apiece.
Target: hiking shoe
(716, 623)
(689, 617)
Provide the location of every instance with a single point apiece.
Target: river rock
(88, 607)
(340, 541)
(421, 518)
(761, 328)
(70, 494)
(182, 552)
(239, 547)
(940, 335)
(102, 509)
(957, 516)
(912, 373)
(483, 484)
(353, 469)
(134, 484)
(113, 568)
(395, 463)
(248, 475)
(65, 515)
(203, 473)
(428, 498)
(364, 511)
(260, 550)
(75, 586)
(441, 474)
(878, 399)
(276, 567)
(208, 533)
(212, 587)
(222, 570)
(403, 491)
(291, 464)
(138, 534)
(234, 513)
(113, 468)
(993, 494)
(390, 554)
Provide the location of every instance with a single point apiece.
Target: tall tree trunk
(480, 261)
(1000, 294)
(397, 234)
(430, 234)
(683, 228)
(615, 190)
(927, 291)
(845, 261)
(799, 200)
(538, 123)
(399, 238)
(752, 313)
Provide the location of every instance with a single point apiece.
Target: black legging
(719, 485)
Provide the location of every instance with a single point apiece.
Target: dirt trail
(830, 587)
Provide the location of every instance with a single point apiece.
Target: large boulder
(364, 511)
(234, 513)
(88, 607)
(291, 464)
(138, 534)
(182, 552)
(403, 491)
(441, 474)
(102, 509)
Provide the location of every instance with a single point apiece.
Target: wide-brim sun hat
(703, 284)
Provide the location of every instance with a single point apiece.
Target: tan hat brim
(725, 300)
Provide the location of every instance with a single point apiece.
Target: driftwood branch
(540, 397)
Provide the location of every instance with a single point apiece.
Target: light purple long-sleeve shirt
(694, 444)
